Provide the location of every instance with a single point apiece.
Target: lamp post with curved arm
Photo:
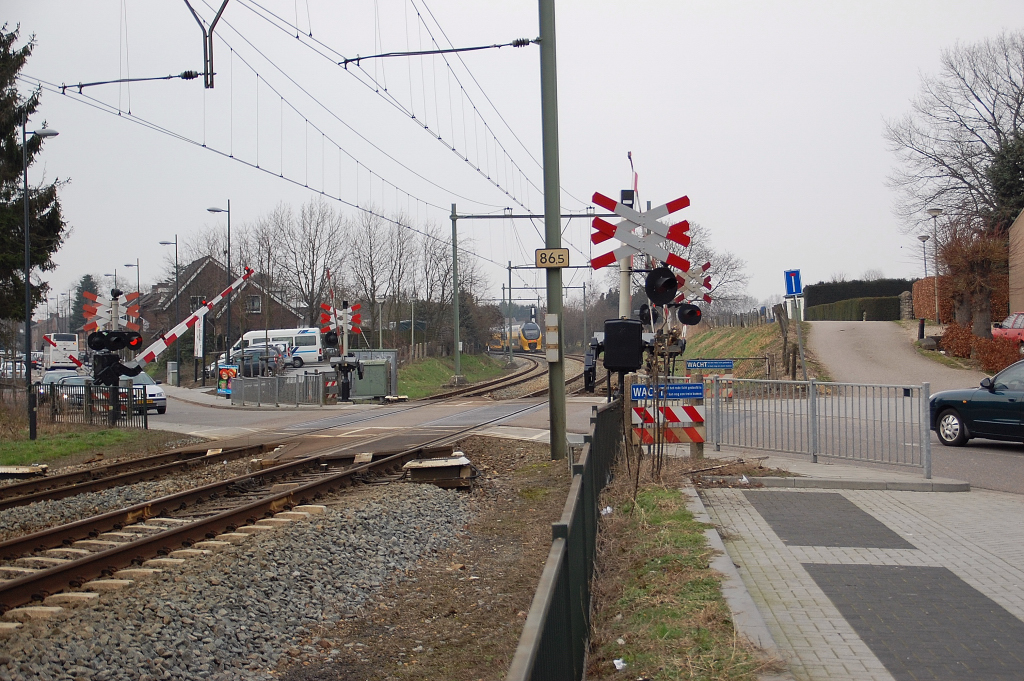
(31, 395)
(935, 213)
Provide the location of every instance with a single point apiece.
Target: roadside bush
(996, 354)
(957, 340)
(853, 310)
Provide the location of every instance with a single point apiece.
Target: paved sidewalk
(881, 584)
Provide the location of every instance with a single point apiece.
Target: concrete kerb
(745, 616)
(199, 397)
(831, 483)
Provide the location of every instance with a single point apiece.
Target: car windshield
(143, 379)
(54, 376)
(72, 380)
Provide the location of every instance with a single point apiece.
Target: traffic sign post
(794, 291)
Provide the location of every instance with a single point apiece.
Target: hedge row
(995, 354)
(833, 292)
(877, 309)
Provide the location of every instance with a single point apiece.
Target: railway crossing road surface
(882, 352)
(385, 426)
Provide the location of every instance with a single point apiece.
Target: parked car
(1013, 328)
(53, 376)
(155, 396)
(994, 410)
(257, 361)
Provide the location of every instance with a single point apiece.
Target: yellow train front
(529, 337)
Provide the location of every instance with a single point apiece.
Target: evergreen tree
(1006, 175)
(77, 313)
(48, 229)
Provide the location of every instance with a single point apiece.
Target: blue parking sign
(793, 286)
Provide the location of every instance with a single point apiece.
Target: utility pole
(455, 297)
(552, 220)
(509, 312)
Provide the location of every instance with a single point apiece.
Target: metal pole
(812, 416)
(380, 324)
(29, 393)
(552, 219)
(228, 338)
(177, 313)
(455, 294)
(585, 339)
(798, 316)
(412, 325)
(509, 310)
(926, 431)
(935, 255)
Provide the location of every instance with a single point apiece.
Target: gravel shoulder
(881, 353)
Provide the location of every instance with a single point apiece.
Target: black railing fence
(115, 407)
(555, 637)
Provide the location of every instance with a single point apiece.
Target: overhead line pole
(552, 220)
(455, 297)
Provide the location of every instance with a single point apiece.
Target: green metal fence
(553, 645)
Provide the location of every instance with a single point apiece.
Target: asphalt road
(881, 353)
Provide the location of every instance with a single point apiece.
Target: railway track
(533, 368)
(71, 555)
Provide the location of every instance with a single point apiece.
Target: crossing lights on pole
(106, 364)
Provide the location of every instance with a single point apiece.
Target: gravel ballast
(242, 613)
(22, 520)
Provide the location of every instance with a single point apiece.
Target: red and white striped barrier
(162, 343)
(677, 423)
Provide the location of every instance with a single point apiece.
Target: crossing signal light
(649, 316)
(661, 286)
(331, 339)
(114, 340)
(688, 314)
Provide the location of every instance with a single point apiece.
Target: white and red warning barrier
(162, 343)
(676, 423)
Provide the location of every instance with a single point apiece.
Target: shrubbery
(833, 292)
(994, 354)
(877, 309)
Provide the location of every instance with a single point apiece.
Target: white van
(306, 344)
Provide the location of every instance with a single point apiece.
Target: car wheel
(161, 410)
(297, 362)
(1020, 348)
(951, 429)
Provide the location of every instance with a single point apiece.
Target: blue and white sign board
(793, 286)
(671, 391)
(717, 364)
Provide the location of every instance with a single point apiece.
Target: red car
(1012, 327)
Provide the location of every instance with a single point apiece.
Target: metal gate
(886, 424)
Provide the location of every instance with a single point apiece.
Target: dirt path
(880, 353)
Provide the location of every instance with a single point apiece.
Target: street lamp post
(380, 323)
(177, 299)
(923, 238)
(138, 276)
(227, 337)
(31, 396)
(935, 213)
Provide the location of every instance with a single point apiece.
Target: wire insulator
(189, 75)
(521, 42)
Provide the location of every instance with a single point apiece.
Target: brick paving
(943, 600)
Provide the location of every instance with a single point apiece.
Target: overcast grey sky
(768, 115)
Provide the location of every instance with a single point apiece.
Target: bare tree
(727, 271)
(957, 125)
(873, 274)
(308, 247)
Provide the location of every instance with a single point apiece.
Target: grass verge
(658, 605)
(722, 342)
(426, 377)
(82, 443)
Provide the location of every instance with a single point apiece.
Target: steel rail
(37, 586)
(87, 481)
(495, 384)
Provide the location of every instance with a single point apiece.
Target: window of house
(254, 305)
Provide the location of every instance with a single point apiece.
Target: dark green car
(995, 410)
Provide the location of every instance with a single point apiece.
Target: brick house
(252, 307)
